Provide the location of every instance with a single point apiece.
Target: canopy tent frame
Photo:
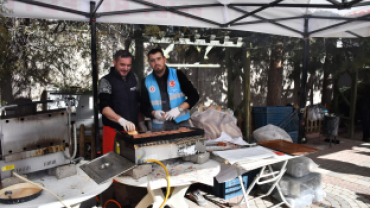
(93, 15)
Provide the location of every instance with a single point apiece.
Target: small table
(72, 190)
(262, 178)
(155, 195)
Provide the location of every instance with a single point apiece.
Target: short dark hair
(154, 51)
(122, 54)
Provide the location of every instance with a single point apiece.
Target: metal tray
(106, 167)
(130, 139)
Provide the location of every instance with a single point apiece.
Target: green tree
(43, 53)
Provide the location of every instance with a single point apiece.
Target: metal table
(72, 190)
(272, 176)
(155, 195)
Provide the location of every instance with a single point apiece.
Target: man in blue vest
(166, 95)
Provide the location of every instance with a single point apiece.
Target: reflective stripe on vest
(175, 94)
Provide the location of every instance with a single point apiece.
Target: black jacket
(122, 95)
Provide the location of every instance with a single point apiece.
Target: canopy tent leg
(302, 105)
(94, 75)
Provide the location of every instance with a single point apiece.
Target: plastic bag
(270, 132)
(305, 199)
(214, 122)
(312, 113)
(299, 167)
(319, 195)
(315, 113)
(291, 186)
(321, 113)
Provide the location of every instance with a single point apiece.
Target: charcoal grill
(34, 142)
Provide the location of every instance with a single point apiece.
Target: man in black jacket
(119, 99)
(166, 94)
(119, 105)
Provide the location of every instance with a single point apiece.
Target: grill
(34, 142)
(132, 150)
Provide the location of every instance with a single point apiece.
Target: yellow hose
(168, 180)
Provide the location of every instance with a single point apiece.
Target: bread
(222, 144)
(212, 106)
(132, 132)
(212, 131)
(200, 108)
(231, 129)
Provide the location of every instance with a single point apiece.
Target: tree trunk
(6, 90)
(352, 113)
(327, 91)
(230, 86)
(139, 58)
(275, 78)
(247, 93)
(312, 85)
(297, 87)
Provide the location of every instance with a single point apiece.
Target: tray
(107, 166)
(160, 136)
(287, 147)
(18, 193)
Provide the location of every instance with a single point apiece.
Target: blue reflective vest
(175, 95)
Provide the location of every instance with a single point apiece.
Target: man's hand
(127, 125)
(158, 115)
(172, 114)
(142, 126)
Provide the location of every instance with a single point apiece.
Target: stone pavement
(345, 172)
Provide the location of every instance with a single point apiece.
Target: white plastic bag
(299, 167)
(214, 122)
(319, 195)
(270, 132)
(291, 186)
(304, 200)
(315, 113)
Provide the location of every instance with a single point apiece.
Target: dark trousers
(364, 111)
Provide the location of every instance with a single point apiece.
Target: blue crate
(291, 123)
(274, 115)
(294, 135)
(232, 188)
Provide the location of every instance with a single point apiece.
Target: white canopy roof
(218, 15)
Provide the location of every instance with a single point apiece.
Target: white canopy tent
(295, 18)
(279, 17)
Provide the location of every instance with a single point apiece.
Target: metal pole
(302, 106)
(95, 76)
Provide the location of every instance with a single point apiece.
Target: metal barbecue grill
(133, 150)
(34, 142)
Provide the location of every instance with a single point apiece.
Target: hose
(168, 180)
(41, 187)
(111, 200)
(74, 132)
(75, 141)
